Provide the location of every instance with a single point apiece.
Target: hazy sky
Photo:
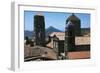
(55, 19)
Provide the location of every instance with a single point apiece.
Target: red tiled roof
(79, 55)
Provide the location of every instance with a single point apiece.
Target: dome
(73, 18)
(73, 22)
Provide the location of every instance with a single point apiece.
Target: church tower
(76, 21)
(72, 29)
(70, 37)
(39, 30)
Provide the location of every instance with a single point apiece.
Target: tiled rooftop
(39, 51)
(79, 55)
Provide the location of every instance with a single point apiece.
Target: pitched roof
(60, 35)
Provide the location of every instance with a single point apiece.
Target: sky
(55, 19)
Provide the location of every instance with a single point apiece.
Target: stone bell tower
(39, 30)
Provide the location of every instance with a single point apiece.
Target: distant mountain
(49, 30)
(85, 30)
(28, 33)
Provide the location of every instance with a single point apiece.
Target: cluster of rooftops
(54, 50)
